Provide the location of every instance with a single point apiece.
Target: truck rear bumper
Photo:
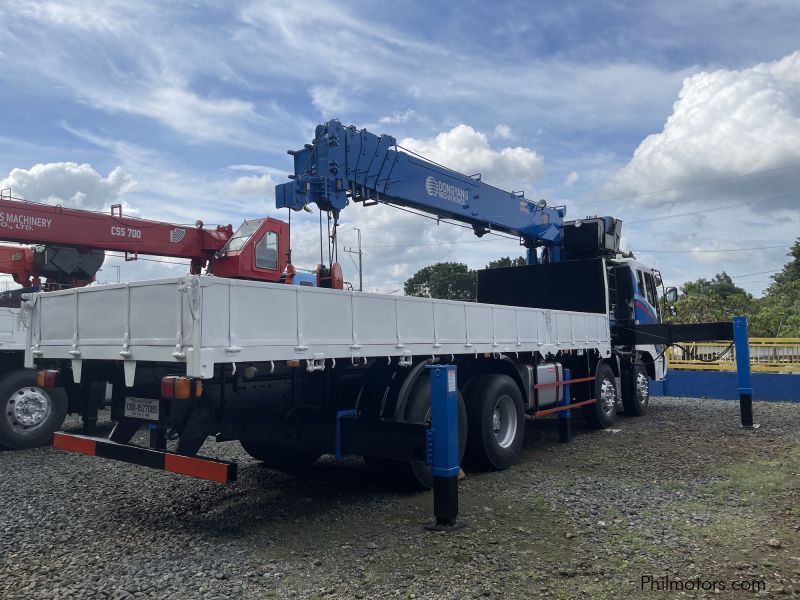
(201, 467)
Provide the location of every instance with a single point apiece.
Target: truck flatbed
(205, 321)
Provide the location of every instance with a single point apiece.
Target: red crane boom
(258, 250)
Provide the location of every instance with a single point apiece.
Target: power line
(756, 273)
(715, 208)
(690, 185)
(710, 250)
(433, 243)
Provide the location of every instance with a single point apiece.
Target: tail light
(175, 387)
(47, 378)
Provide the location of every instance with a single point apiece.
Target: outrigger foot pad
(445, 525)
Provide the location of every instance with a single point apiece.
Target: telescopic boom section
(344, 163)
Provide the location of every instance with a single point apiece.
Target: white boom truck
(294, 372)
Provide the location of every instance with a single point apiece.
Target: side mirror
(673, 311)
(671, 296)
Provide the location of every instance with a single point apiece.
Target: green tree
(506, 262)
(791, 270)
(447, 280)
(717, 299)
(778, 312)
(451, 280)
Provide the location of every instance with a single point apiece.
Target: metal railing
(767, 355)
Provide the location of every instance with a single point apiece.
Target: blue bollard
(565, 416)
(443, 446)
(742, 348)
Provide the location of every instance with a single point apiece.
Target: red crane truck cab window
(258, 250)
(242, 235)
(267, 251)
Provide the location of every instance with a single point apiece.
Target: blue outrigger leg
(742, 350)
(443, 447)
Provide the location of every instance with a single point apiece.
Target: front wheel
(496, 422)
(30, 414)
(635, 391)
(603, 413)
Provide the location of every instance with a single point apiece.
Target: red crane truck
(69, 249)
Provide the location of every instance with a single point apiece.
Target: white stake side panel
(204, 321)
(12, 334)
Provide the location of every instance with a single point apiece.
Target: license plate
(142, 408)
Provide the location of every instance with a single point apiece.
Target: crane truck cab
(634, 300)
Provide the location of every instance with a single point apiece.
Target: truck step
(194, 466)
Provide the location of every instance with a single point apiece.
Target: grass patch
(758, 482)
(537, 503)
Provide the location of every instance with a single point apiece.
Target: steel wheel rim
(608, 396)
(27, 408)
(642, 388)
(504, 421)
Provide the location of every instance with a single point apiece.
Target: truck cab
(634, 300)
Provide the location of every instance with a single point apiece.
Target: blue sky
(185, 110)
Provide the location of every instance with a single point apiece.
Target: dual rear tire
(416, 475)
(491, 428)
(496, 418)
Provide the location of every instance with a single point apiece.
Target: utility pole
(360, 263)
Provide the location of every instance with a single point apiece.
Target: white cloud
(571, 179)
(123, 57)
(332, 101)
(251, 168)
(724, 124)
(69, 183)
(258, 186)
(64, 15)
(503, 132)
(468, 151)
(398, 118)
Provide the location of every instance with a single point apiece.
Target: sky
(681, 118)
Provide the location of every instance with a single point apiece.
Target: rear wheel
(496, 422)
(635, 391)
(30, 414)
(280, 458)
(416, 475)
(603, 413)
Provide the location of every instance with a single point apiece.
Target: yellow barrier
(767, 355)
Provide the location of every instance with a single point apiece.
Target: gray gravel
(681, 492)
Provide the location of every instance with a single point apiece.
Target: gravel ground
(682, 493)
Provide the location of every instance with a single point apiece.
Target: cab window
(267, 251)
(242, 235)
(640, 281)
(651, 289)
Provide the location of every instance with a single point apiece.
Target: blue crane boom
(345, 163)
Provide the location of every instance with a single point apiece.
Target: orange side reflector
(74, 443)
(46, 379)
(197, 467)
(178, 388)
